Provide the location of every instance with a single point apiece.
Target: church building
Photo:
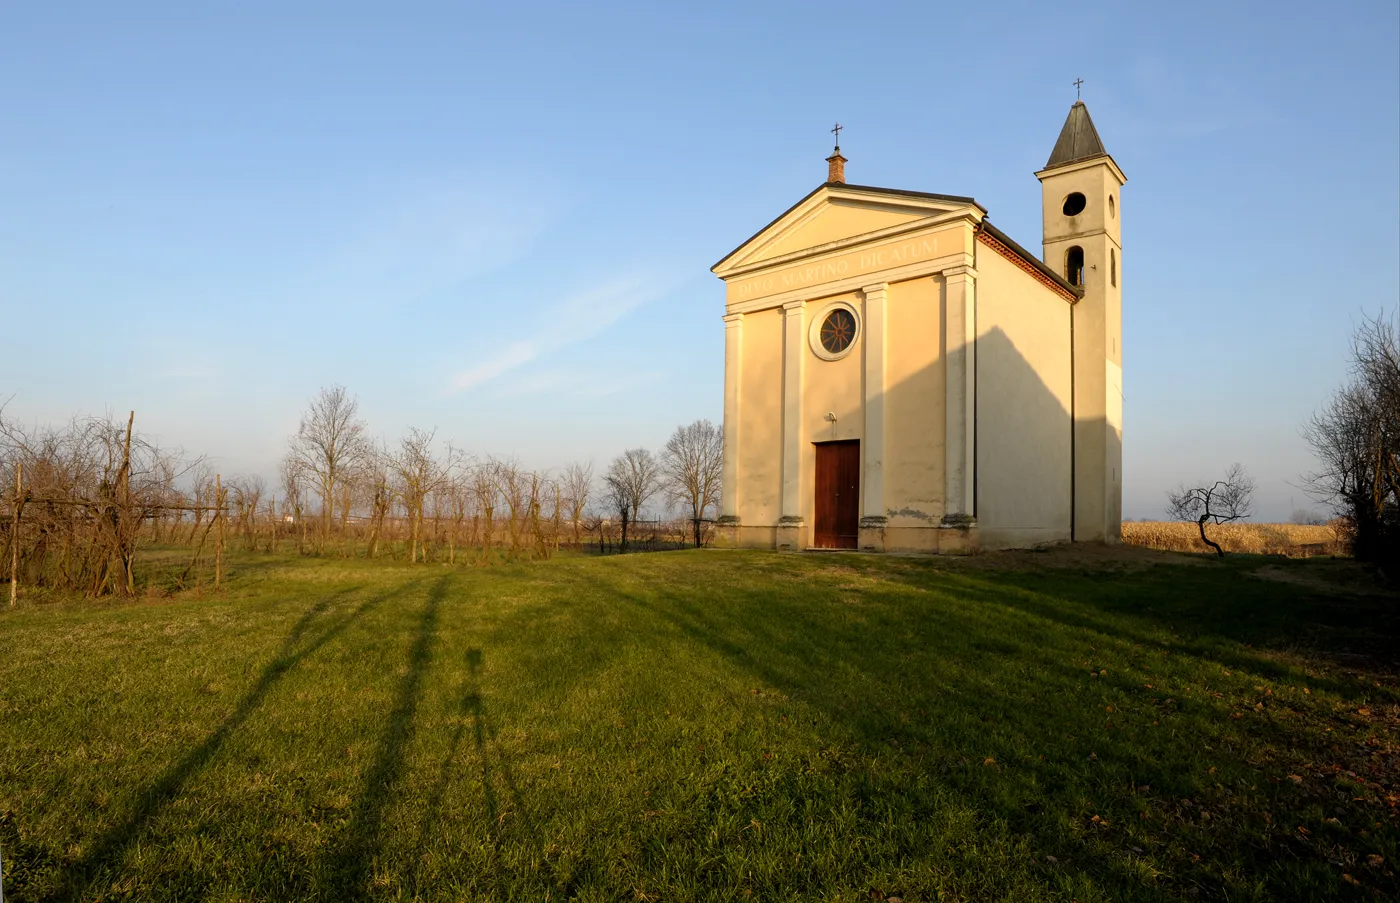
(900, 375)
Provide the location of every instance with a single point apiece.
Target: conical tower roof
(1079, 140)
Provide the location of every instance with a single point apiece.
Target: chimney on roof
(836, 167)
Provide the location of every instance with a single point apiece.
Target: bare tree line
(687, 472)
(82, 498)
(493, 505)
(420, 499)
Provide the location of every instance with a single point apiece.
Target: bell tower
(1082, 241)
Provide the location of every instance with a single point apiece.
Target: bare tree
(512, 483)
(294, 496)
(485, 492)
(1356, 438)
(616, 500)
(377, 467)
(247, 492)
(328, 444)
(460, 505)
(692, 465)
(1222, 501)
(540, 487)
(421, 473)
(1306, 517)
(633, 478)
(577, 485)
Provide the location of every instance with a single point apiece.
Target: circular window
(838, 331)
(1074, 204)
(835, 331)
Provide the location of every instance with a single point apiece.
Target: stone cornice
(1090, 163)
(931, 267)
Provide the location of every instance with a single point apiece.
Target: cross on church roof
(1077, 83)
(837, 132)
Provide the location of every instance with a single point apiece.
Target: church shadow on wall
(1040, 473)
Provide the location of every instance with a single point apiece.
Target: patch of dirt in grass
(1080, 556)
(1339, 575)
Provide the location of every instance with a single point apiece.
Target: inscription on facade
(854, 264)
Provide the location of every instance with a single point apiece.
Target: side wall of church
(760, 427)
(1023, 422)
(915, 401)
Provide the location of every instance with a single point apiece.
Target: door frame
(858, 476)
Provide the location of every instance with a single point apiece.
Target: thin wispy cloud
(567, 322)
(516, 354)
(431, 239)
(574, 384)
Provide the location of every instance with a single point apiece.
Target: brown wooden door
(838, 495)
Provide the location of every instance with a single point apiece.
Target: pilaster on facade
(873, 448)
(794, 355)
(959, 356)
(733, 373)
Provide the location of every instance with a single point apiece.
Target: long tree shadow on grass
(349, 863)
(901, 695)
(1219, 612)
(472, 710)
(999, 675)
(468, 709)
(107, 850)
(1231, 601)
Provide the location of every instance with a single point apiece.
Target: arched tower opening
(1074, 265)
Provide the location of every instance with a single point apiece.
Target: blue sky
(499, 221)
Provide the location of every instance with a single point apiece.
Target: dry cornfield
(1293, 540)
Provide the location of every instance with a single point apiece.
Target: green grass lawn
(710, 726)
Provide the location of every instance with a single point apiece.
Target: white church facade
(902, 376)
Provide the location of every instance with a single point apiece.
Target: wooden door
(838, 495)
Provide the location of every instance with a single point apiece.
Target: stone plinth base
(872, 534)
(958, 534)
(958, 539)
(791, 534)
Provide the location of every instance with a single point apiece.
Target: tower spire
(1078, 140)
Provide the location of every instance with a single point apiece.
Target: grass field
(1293, 540)
(1113, 725)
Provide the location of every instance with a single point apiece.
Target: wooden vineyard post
(126, 535)
(219, 536)
(14, 533)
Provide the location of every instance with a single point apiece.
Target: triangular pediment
(836, 215)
